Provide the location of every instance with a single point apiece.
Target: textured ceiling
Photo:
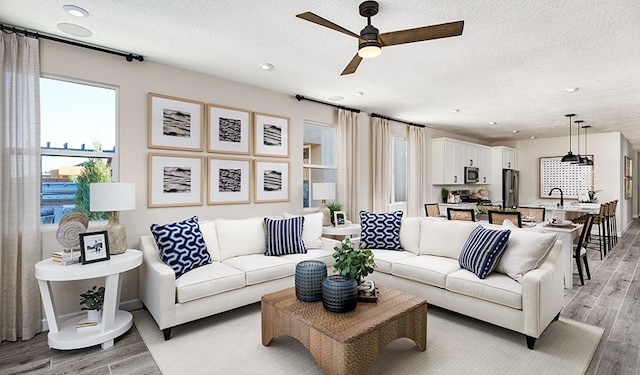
(511, 65)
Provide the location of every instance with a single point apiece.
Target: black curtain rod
(36, 34)
(300, 98)
(396, 120)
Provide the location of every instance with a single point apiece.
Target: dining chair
(432, 209)
(466, 214)
(498, 217)
(537, 213)
(580, 250)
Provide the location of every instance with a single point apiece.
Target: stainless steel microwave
(471, 174)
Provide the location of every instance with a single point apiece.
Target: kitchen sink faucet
(561, 204)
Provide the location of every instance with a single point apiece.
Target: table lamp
(323, 191)
(113, 197)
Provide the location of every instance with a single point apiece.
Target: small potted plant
(93, 300)
(353, 262)
(444, 192)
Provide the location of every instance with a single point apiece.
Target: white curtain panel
(348, 171)
(381, 164)
(20, 190)
(416, 168)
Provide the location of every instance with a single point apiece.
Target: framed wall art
(628, 188)
(271, 181)
(175, 180)
(574, 180)
(175, 123)
(271, 136)
(229, 129)
(94, 247)
(229, 180)
(628, 167)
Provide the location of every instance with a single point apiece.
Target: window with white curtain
(399, 170)
(77, 122)
(320, 158)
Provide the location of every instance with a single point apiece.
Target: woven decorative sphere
(309, 276)
(68, 234)
(339, 293)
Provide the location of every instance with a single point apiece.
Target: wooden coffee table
(345, 343)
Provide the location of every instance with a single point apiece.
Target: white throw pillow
(208, 229)
(240, 237)
(526, 250)
(410, 234)
(312, 230)
(444, 237)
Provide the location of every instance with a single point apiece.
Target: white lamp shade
(112, 196)
(324, 190)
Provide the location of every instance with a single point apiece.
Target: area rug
(230, 343)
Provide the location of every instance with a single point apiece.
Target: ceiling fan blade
(352, 66)
(420, 34)
(308, 16)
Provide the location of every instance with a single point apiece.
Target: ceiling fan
(370, 41)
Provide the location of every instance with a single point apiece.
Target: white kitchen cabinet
(485, 164)
(508, 158)
(446, 162)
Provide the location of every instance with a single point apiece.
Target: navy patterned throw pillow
(284, 236)
(380, 231)
(181, 245)
(482, 250)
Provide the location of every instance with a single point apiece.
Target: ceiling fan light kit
(370, 41)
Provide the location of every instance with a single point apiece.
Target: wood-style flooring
(611, 299)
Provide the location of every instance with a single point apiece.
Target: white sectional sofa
(524, 293)
(238, 275)
(526, 302)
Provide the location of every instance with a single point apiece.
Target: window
(399, 171)
(320, 159)
(77, 132)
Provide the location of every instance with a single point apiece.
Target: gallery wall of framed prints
(227, 169)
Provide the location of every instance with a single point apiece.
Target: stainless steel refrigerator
(510, 185)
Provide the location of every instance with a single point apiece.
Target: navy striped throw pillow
(483, 249)
(380, 231)
(181, 245)
(284, 236)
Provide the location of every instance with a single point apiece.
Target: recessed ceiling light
(336, 98)
(515, 131)
(572, 89)
(358, 93)
(533, 137)
(75, 11)
(492, 123)
(266, 66)
(75, 30)
(455, 110)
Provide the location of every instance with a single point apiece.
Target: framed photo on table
(271, 181)
(229, 180)
(94, 247)
(271, 135)
(229, 129)
(175, 123)
(339, 219)
(175, 180)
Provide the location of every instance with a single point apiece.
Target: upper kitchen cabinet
(450, 157)
(506, 156)
(446, 162)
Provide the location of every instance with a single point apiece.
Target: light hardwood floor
(609, 300)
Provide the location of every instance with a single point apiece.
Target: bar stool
(613, 226)
(600, 221)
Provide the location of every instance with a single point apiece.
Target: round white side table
(346, 231)
(64, 335)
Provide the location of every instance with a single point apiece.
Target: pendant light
(587, 160)
(582, 160)
(570, 157)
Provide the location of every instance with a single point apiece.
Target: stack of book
(85, 324)
(66, 257)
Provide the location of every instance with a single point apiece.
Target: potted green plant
(353, 261)
(93, 300)
(444, 192)
(335, 206)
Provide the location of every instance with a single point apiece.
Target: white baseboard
(134, 304)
